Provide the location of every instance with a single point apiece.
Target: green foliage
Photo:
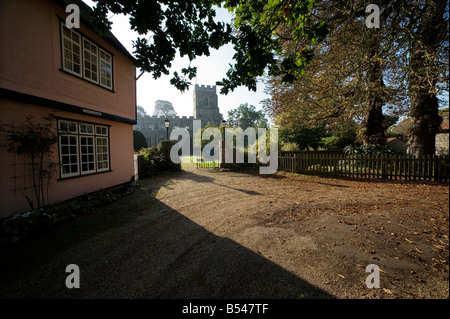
(339, 141)
(258, 44)
(139, 141)
(185, 27)
(190, 29)
(289, 146)
(166, 164)
(443, 112)
(157, 159)
(247, 116)
(198, 136)
(304, 137)
(369, 149)
(151, 161)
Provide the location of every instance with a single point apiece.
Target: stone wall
(442, 144)
(154, 130)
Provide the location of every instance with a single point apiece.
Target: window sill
(78, 176)
(90, 82)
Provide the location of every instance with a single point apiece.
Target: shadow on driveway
(199, 178)
(156, 253)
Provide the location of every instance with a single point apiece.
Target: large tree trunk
(426, 122)
(422, 78)
(372, 126)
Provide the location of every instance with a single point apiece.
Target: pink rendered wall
(15, 170)
(30, 63)
(30, 60)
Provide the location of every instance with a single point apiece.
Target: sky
(209, 70)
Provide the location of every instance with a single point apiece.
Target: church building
(205, 108)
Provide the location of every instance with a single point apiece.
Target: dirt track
(211, 234)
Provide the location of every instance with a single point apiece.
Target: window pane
(69, 154)
(66, 32)
(86, 129)
(73, 150)
(67, 55)
(106, 69)
(63, 126)
(75, 37)
(87, 151)
(101, 130)
(76, 59)
(90, 60)
(73, 127)
(71, 41)
(102, 153)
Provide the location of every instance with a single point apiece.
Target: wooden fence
(391, 167)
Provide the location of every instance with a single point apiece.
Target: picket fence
(358, 166)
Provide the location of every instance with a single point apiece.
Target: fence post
(335, 163)
(383, 166)
(436, 176)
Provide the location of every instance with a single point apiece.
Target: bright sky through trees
(210, 70)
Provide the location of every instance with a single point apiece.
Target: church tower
(206, 106)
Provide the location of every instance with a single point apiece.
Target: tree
(280, 38)
(258, 45)
(189, 28)
(360, 74)
(247, 116)
(428, 37)
(164, 109)
(139, 141)
(166, 27)
(141, 111)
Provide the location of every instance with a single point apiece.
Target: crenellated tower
(206, 107)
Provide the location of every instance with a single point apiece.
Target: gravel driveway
(211, 234)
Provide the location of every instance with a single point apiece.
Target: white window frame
(87, 125)
(90, 54)
(61, 145)
(65, 39)
(77, 130)
(87, 154)
(105, 70)
(102, 160)
(105, 66)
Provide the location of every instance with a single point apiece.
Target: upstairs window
(71, 42)
(205, 101)
(105, 69)
(90, 58)
(86, 59)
